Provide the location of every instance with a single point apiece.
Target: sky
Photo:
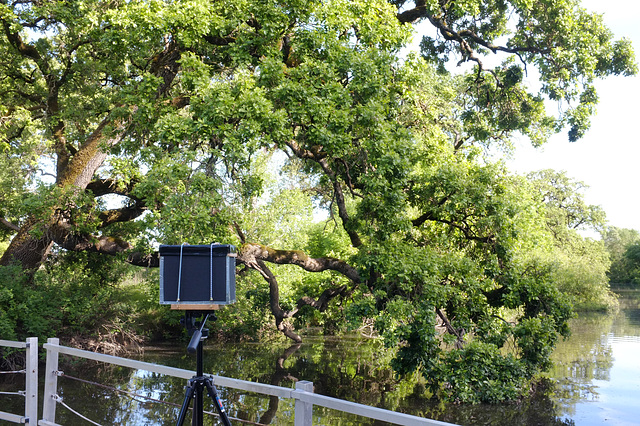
(607, 158)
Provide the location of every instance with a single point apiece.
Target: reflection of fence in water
(303, 397)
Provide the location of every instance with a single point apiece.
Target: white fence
(303, 394)
(31, 381)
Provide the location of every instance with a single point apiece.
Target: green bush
(480, 373)
(82, 295)
(25, 310)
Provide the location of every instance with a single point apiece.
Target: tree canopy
(125, 124)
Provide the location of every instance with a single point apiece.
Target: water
(596, 381)
(598, 368)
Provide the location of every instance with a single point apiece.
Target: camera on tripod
(198, 279)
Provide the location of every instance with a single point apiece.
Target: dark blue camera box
(197, 277)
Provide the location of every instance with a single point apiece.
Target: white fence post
(50, 383)
(31, 381)
(304, 410)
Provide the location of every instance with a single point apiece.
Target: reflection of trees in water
(347, 367)
(279, 374)
(106, 406)
(536, 410)
(12, 383)
(587, 355)
(351, 368)
(357, 370)
(584, 357)
(628, 324)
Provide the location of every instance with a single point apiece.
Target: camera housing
(197, 276)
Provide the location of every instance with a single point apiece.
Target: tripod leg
(185, 404)
(213, 394)
(198, 403)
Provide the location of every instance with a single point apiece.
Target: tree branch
(8, 225)
(412, 15)
(82, 166)
(463, 37)
(274, 303)
(166, 65)
(255, 255)
(16, 41)
(429, 215)
(250, 254)
(61, 234)
(124, 214)
(466, 230)
(100, 187)
(319, 157)
(323, 301)
(458, 333)
(146, 260)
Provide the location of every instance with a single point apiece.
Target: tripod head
(196, 328)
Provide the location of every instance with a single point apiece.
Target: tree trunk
(27, 250)
(32, 244)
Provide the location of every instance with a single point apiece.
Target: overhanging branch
(62, 236)
(8, 225)
(316, 154)
(255, 255)
(251, 254)
(465, 38)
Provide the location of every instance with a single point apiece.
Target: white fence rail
(303, 394)
(31, 381)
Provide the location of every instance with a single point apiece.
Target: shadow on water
(586, 378)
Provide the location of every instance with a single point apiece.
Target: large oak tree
(164, 107)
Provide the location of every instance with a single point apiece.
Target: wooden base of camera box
(194, 307)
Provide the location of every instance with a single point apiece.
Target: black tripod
(196, 385)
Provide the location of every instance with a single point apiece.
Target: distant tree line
(623, 246)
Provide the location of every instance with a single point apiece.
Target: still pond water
(596, 377)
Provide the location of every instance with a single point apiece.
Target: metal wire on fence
(21, 393)
(133, 396)
(58, 399)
